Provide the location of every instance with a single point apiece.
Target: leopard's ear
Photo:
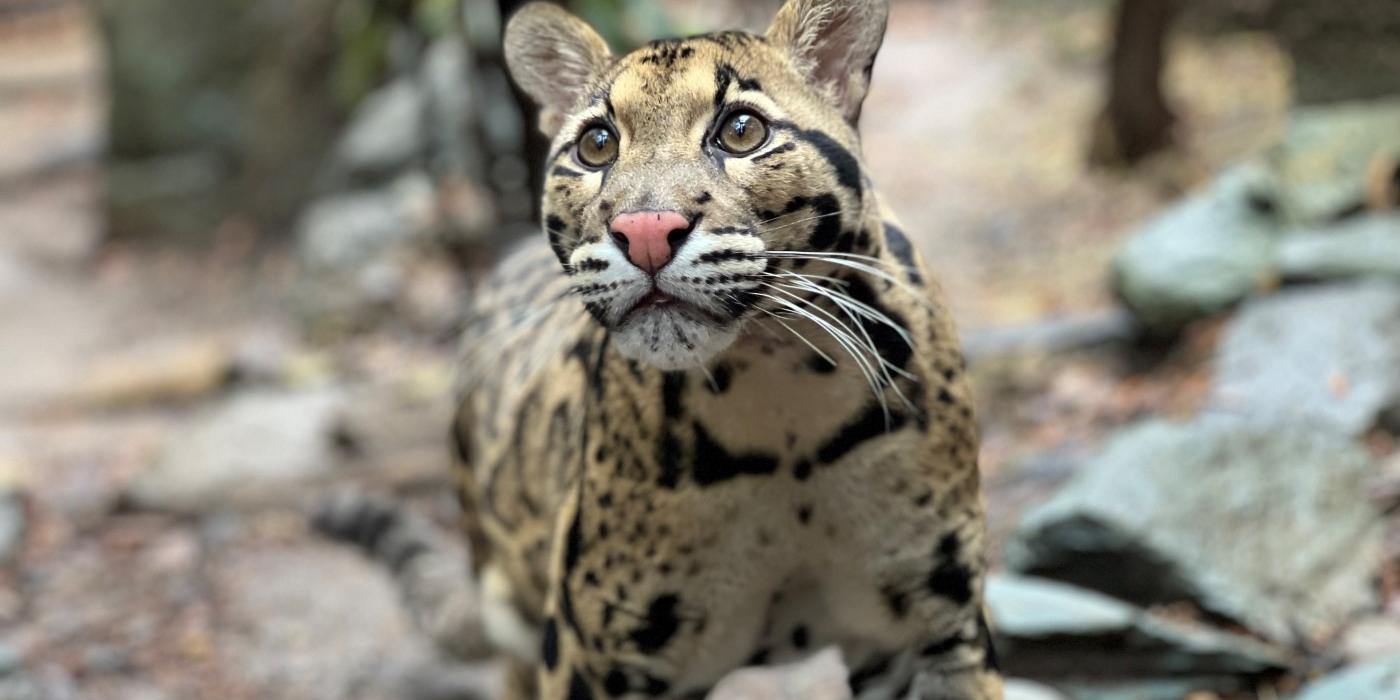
(833, 43)
(553, 56)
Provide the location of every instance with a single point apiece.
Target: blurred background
(236, 237)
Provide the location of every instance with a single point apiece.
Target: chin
(672, 340)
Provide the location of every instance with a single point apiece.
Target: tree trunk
(1136, 121)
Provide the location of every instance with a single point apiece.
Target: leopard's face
(685, 178)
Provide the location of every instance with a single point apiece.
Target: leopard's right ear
(553, 56)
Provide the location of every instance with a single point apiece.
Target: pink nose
(650, 237)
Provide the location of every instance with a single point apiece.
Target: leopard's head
(688, 176)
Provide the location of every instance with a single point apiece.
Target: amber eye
(597, 147)
(741, 133)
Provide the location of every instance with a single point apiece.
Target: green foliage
(626, 24)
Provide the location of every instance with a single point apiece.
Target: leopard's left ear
(833, 44)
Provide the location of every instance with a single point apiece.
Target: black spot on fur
(870, 424)
(722, 373)
(903, 251)
(896, 600)
(715, 464)
(950, 579)
(891, 345)
(820, 365)
(704, 198)
(672, 389)
(660, 624)
(940, 647)
(862, 677)
(799, 637)
(804, 514)
(578, 688)
(549, 648)
(615, 683)
(669, 459)
(802, 471)
(759, 658)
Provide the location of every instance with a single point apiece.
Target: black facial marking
(845, 165)
(950, 579)
(556, 228)
(704, 198)
(589, 265)
(759, 658)
(777, 150)
(562, 171)
(714, 464)
(804, 514)
(549, 648)
(660, 624)
(903, 251)
(827, 221)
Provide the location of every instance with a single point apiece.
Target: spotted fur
(785, 459)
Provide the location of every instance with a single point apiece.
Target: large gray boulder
(1074, 637)
(245, 452)
(1323, 166)
(1199, 257)
(1263, 524)
(1327, 356)
(1367, 246)
(1377, 680)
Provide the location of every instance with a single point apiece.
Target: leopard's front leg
(962, 666)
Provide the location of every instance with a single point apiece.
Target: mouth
(657, 301)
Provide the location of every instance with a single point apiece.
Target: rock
(313, 622)
(1199, 257)
(1093, 646)
(1017, 689)
(346, 232)
(386, 131)
(1263, 524)
(1050, 630)
(1368, 246)
(1328, 356)
(1321, 168)
(1377, 680)
(1372, 638)
(243, 451)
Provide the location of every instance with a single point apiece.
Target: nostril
(676, 237)
(620, 239)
